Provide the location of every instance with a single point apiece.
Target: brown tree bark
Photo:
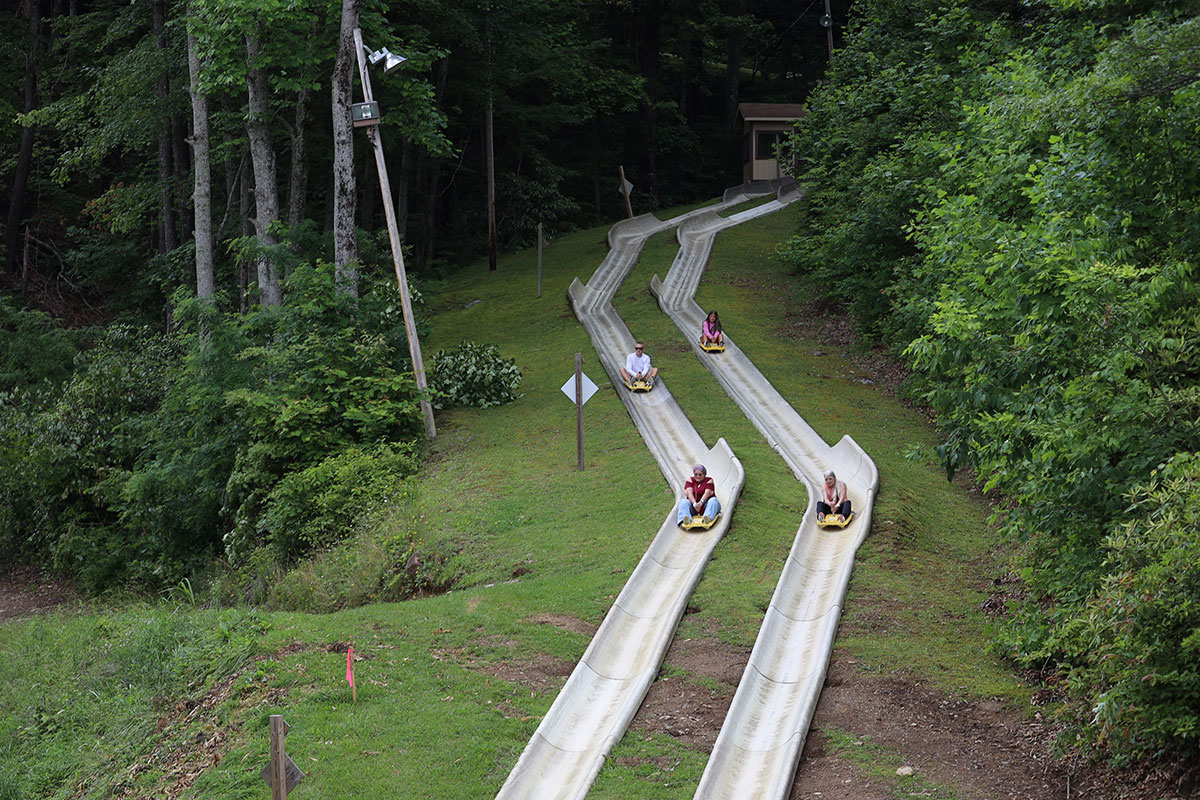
(298, 173)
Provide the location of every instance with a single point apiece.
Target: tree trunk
(298, 178)
(202, 187)
(345, 242)
(429, 218)
(245, 188)
(166, 237)
(428, 176)
(649, 42)
(16, 201)
(491, 186)
(734, 44)
(266, 185)
(180, 148)
(406, 159)
(368, 187)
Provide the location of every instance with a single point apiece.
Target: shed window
(764, 147)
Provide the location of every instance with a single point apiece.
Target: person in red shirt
(700, 497)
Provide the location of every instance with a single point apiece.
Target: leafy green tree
(1013, 211)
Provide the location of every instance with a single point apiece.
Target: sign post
(626, 188)
(539, 259)
(579, 387)
(281, 774)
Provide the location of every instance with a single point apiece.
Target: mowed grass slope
(450, 688)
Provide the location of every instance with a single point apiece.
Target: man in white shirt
(637, 366)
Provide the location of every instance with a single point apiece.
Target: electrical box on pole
(364, 114)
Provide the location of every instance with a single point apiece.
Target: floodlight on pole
(390, 62)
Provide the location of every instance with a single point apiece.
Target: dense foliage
(98, 140)
(230, 433)
(474, 375)
(1007, 193)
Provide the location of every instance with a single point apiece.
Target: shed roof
(781, 112)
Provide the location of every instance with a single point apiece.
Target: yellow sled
(639, 386)
(711, 347)
(831, 521)
(698, 523)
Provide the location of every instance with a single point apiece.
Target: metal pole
(389, 209)
(539, 259)
(579, 406)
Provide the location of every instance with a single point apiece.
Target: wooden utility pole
(539, 259)
(389, 210)
(625, 191)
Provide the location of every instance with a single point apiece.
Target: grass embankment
(452, 687)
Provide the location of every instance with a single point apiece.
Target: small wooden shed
(763, 127)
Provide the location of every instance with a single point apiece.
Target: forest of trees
(117, 114)
(202, 353)
(201, 327)
(1008, 194)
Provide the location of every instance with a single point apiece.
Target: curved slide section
(759, 745)
(603, 693)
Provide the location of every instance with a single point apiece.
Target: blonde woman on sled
(833, 507)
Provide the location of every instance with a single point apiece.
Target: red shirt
(699, 486)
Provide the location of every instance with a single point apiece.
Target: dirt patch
(980, 749)
(564, 622)
(691, 697)
(808, 321)
(28, 591)
(537, 672)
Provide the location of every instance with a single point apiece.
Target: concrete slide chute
(759, 745)
(599, 699)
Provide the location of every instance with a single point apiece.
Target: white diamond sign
(589, 388)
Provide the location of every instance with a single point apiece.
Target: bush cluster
(1006, 195)
(474, 375)
(232, 433)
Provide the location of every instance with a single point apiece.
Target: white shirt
(637, 365)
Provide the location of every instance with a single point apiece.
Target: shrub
(33, 348)
(320, 506)
(473, 375)
(1134, 654)
(159, 447)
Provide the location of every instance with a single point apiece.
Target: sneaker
(820, 517)
(706, 521)
(841, 518)
(686, 521)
